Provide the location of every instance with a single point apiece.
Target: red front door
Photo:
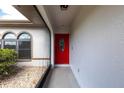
(61, 48)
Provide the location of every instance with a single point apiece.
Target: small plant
(7, 58)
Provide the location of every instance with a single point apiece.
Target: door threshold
(62, 65)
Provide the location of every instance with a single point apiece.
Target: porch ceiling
(61, 18)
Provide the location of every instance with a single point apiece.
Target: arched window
(24, 36)
(9, 35)
(24, 46)
(9, 41)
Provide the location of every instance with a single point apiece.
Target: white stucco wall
(97, 47)
(62, 30)
(40, 39)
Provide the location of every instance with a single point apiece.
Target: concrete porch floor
(61, 77)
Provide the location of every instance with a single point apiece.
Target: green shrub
(4, 67)
(7, 58)
(7, 55)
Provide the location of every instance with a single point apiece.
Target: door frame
(61, 65)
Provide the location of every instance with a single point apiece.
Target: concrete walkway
(61, 77)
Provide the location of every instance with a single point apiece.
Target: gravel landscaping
(22, 77)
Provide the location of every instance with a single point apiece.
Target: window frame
(8, 39)
(19, 40)
(1, 43)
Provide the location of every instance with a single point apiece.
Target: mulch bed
(22, 77)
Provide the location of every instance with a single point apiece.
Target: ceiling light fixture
(63, 7)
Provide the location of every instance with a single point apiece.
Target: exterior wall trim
(40, 58)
